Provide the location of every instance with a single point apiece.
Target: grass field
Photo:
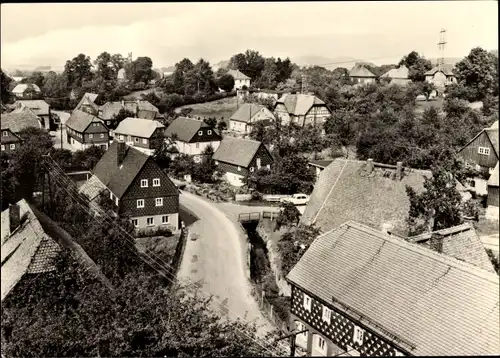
(224, 107)
(423, 105)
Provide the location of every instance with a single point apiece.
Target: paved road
(216, 261)
(491, 242)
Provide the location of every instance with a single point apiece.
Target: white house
(441, 76)
(247, 115)
(240, 79)
(361, 75)
(398, 76)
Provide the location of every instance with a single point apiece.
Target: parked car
(297, 199)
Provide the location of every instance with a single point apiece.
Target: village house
(87, 104)
(193, 136)
(398, 76)
(31, 242)
(140, 109)
(240, 79)
(14, 122)
(360, 292)
(247, 115)
(301, 109)
(493, 196)
(482, 151)
(441, 76)
(144, 134)
(121, 75)
(26, 91)
(84, 130)
(361, 75)
(41, 109)
(238, 157)
(137, 186)
(319, 165)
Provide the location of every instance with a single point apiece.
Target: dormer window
(200, 132)
(5, 133)
(209, 132)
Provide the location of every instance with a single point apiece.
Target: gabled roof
(397, 73)
(446, 68)
(38, 106)
(299, 104)
(22, 87)
(361, 71)
(138, 127)
(88, 98)
(238, 75)
(460, 242)
(111, 109)
(346, 191)
(246, 112)
(237, 151)
(493, 180)
(185, 128)
(434, 304)
(321, 163)
(492, 133)
(79, 120)
(19, 119)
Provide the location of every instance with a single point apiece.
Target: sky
(49, 34)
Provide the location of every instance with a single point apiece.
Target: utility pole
(441, 44)
(292, 340)
(61, 128)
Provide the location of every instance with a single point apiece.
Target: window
(484, 151)
(108, 123)
(159, 202)
(216, 162)
(111, 196)
(5, 133)
(209, 132)
(12, 146)
(3, 147)
(258, 163)
(134, 221)
(358, 335)
(268, 166)
(116, 201)
(327, 314)
(91, 136)
(156, 182)
(136, 140)
(122, 137)
(200, 132)
(251, 169)
(165, 219)
(144, 183)
(144, 141)
(239, 168)
(307, 302)
(102, 135)
(150, 221)
(197, 145)
(320, 343)
(140, 203)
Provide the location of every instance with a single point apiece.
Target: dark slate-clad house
(84, 130)
(361, 292)
(138, 188)
(237, 157)
(14, 122)
(483, 150)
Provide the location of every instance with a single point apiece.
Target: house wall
(339, 332)
(400, 81)
(195, 148)
(317, 115)
(146, 114)
(282, 114)
(493, 196)
(238, 84)
(240, 127)
(173, 223)
(142, 142)
(264, 156)
(8, 141)
(363, 80)
(470, 153)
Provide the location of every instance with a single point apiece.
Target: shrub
(257, 196)
(158, 231)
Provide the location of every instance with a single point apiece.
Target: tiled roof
(22, 87)
(92, 187)
(447, 69)
(79, 120)
(237, 151)
(493, 180)
(38, 106)
(26, 250)
(460, 242)
(361, 71)
(238, 75)
(398, 73)
(111, 109)
(138, 127)
(19, 119)
(299, 104)
(88, 98)
(436, 304)
(321, 163)
(345, 191)
(184, 128)
(246, 112)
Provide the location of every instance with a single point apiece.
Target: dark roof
(79, 120)
(184, 128)
(492, 134)
(436, 305)
(446, 68)
(246, 112)
(38, 106)
(344, 191)
(321, 163)
(19, 119)
(111, 109)
(460, 242)
(88, 98)
(237, 151)
(299, 104)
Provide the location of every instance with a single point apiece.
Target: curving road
(215, 261)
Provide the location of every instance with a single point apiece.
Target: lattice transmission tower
(441, 44)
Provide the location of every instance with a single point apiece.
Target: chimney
(120, 151)
(436, 242)
(369, 166)
(14, 217)
(399, 170)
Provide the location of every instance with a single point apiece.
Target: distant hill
(167, 69)
(220, 64)
(327, 62)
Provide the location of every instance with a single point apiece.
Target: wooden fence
(268, 309)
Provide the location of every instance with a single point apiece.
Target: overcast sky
(49, 34)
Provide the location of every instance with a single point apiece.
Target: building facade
(482, 151)
(247, 115)
(40, 108)
(144, 134)
(14, 122)
(301, 109)
(240, 79)
(84, 130)
(441, 76)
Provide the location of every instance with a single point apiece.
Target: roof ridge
(447, 260)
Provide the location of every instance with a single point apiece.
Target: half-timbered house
(84, 130)
(301, 109)
(14, 122)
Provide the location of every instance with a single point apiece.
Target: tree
(6, 95)
(438, 207)
(222, 125)
(78, 70)
(204, 75)
(293, 244)
(36, 78)
(238, 62)
(416, 65)
(55, 90)
(121, 115)
(269, 76)
(105, 68)
(226, 82)
(289, 214)
(254, 64)
(284, 68)
(205, 170)
(211, 121)
(479, 72)
(142, 70)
